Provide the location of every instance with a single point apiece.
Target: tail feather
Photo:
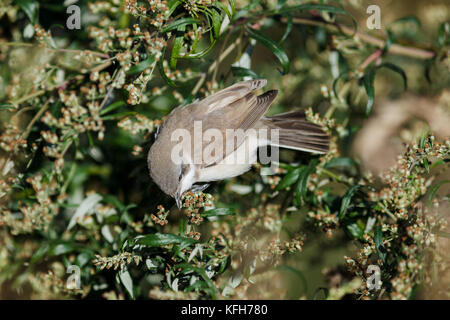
(296, 133)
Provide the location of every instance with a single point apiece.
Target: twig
(393, 49)
(214, 64)
(373, 57)
(25, 44)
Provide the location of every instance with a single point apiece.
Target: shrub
(80, 107)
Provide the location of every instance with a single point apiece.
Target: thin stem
(380, 43)
(78, 51)
(213, 65)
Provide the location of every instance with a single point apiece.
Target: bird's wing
(229, 95)
(242, 114)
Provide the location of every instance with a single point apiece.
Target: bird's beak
(178, 200)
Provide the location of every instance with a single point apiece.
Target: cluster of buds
(11, 138)
(277, 248)
(193, 234)
(326, 220)
(161, 216)
(112, 6)
(42, 36)
(119, 260)
(139, 124)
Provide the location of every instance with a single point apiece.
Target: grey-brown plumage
(235, 107)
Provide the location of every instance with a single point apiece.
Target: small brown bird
(180, 158)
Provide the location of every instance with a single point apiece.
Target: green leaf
(61, 248)
(119, 115)
(378, 238)
(289, 26)
(179, 23)
(112, 106)
(343, 75)
(163, 74)
(355, 230)
(222, 7)
(341, 162)
(368, 81)
(318, 290)
(30, 7)
(40, 253)
(443, 32)
(162, 239)
(290, 178)
(177, 45)
(218, 212)
(434, 189)
(302, 185)
(346, 200)
(141, 66)
(202, 273)
(244, 72)
(172, 4)
(126, 280)
(273, 46)
(397, 69)
(6, 106)
(217, 22)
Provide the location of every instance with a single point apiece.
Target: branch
(394, 48)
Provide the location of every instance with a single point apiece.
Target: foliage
(80, 107)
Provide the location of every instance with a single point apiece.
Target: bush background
(285, 236)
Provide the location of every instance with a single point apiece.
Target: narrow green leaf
(273, 46)
(162, 239)
(6, 106)
(173, 4)
(244, 72)
(217, 22)
(302, 185)
(164, 76)
(346, 200)
(289, 26)
(290, 178)
(119, 115)
(141, 66)
(318, 290)
(368, 81)
(397, 69)
(178, 23)
(30, 7)
(341, 162)
(434, 189)
(112, 106)
(177, 45)
(378, 238)
(355, 230)
(344, 76)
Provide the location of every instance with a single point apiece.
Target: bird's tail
(296, 133)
